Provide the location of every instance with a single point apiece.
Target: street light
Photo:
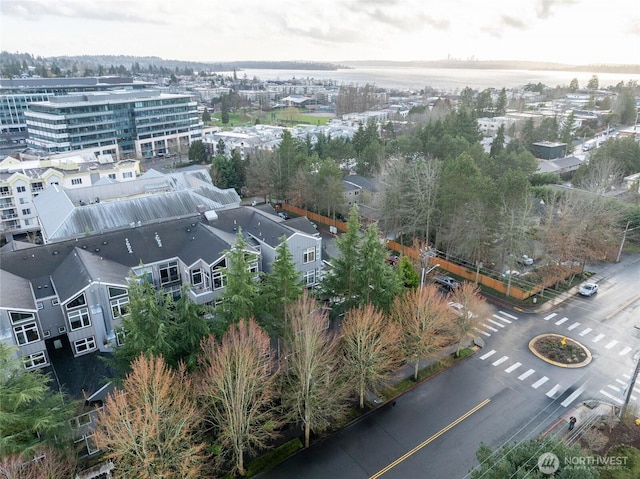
(624, 237)
(426, 272)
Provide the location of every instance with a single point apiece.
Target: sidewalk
(587, 414)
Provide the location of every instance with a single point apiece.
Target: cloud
(116, 10)
(545, 6)
(512, 22)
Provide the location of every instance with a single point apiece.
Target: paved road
(435, 430)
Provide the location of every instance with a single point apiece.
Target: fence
(413, 253)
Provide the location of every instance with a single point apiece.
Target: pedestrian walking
(572, 423)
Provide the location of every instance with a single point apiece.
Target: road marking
(490, 327)
(500, 361)
(552, 315)
(432, 438)
(482, 332)
(540, 382)
(598, 338)
(615, 388)
(508, 315)
(573, 397)
(611, 396)
(558, 323)
(624, 351)
(573, 326)
(611, 344)
(553, 390)
(624, 383)
(586, 331)
(524, 376)
(500, 325)
(512, 368)
(486, 355)
(504, 320)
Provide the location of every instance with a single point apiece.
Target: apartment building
(16, 94)
(141, 124)
(21, 181)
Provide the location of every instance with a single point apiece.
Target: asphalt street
(501, 394)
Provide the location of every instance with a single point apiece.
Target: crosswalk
(615, 392)
(495, 323)
(536, 381)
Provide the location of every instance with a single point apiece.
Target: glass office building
(137, 124)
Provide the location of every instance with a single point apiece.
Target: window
(79, 300)
(196, 277)
(120, 337)
(26, 211)
(127, 174)
(144, 274)
(83, 345)
(117, 292)
(19, 317)
(24, 201)
(79, 319)
(26, 333)
(21, 189)
(112, 176)
(119, 307)
(252, 262)
(169, 272)
(219, 278)
(309, 255)
(34, 360)
(39, 305)
(310, 277)
(76, 181)
(55, 302)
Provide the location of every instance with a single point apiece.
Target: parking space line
(573, 326)
(625, 351)
(611, 344)
(513, 367)
(558, 323)
(525, 375)
(486, 355)
(540, 382)
(552, 315)
(598, 338)
(500, 361)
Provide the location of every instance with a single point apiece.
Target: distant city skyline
(577, 32)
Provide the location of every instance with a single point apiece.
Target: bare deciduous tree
(237, 388)
(46, 462)
(149, 428)
(422, 314)
(370, 343)
(473, 307)
(313, 390)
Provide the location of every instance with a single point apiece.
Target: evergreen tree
(30, 412)
(498, 142)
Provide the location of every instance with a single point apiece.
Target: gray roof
(109, 257)
(61, 220)
(15, 292)
(361, 181)
(254, 223)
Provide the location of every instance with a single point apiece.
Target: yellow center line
(432, 438)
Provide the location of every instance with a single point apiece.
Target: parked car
(458, 309)
(510, 272)
(525, 260)
(447, 281)
(588, 289)
(393, 260)
(284, 216)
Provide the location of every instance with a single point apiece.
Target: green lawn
(283, 117)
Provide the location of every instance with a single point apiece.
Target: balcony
(201, 295)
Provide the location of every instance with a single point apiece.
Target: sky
(563, 31)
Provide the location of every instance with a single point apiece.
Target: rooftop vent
(158, 240)
(129, 249)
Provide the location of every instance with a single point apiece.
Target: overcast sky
(565, 31)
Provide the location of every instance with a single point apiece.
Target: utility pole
(632, 381)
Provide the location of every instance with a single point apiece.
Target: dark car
(447, 282)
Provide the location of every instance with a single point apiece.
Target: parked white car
(526, 260)
(588, 289)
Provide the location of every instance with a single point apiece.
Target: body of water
(444, 79)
